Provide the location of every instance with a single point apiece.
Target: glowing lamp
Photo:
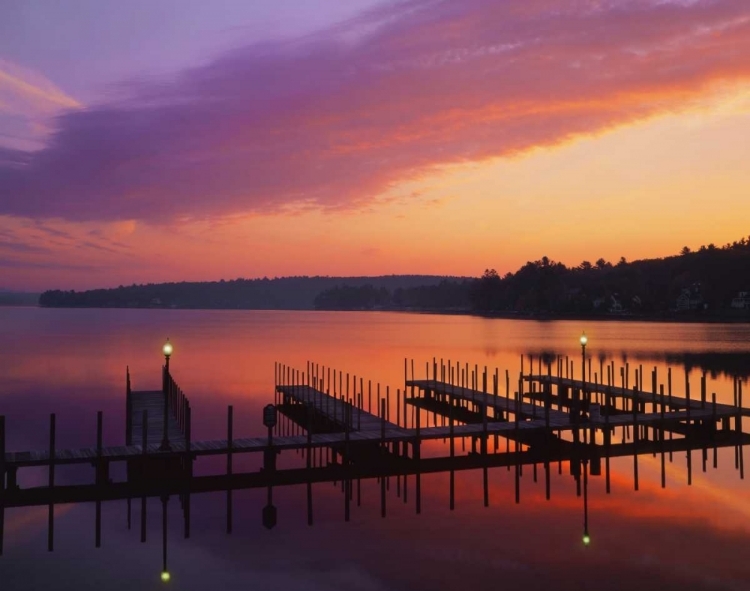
(586, 539)
(584, 339)
(167, 349)
(165, 576)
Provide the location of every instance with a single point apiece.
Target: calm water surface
(73, 363)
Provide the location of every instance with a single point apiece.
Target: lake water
(73, 363)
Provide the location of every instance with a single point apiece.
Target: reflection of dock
(348, 431)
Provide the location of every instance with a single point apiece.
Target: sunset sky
(168, 140)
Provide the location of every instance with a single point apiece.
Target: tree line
(712, 276)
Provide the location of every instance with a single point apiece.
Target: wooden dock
(385, 442)
(641, 396)
(150, 405)
(339, 412)
(484, 400)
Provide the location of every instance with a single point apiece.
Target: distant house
(690, 298)
(636, 301)
(598, 303)
(615, 304)
(742, 301)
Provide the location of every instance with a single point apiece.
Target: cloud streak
(336, 119)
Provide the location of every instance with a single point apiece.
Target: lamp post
(167, 350)
(584, 339)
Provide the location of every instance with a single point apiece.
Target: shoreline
(677, 318)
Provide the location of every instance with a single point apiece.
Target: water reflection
(550, 420)
(73, 363)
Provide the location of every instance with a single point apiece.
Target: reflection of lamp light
(586, 539)
(165, 576)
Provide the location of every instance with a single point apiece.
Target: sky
(170, 140)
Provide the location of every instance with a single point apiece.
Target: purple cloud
(335, 119)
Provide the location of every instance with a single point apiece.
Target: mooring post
(388, 403)
(2, 481)
(485, 408)
(636, 434)
(345, 460)
(51, 513)
(417, 452)
(518, 451)
(738, 426)
(452, 454)
(382, 451)
(128, 408)
(230, 417)
(100, 479)
(2, 454)
(188, 434)
(309, 503)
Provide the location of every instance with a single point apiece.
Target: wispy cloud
(338, 118)
(27, 102)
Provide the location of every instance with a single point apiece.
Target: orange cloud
(338, 119)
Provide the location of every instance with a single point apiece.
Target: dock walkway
(334, 410)
(152, 402)
(496, 401)
(722, 410)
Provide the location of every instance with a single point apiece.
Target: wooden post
(636, 404)
(128, 409)
(144, 452)
(2, 481)
(230, 420)
(2, 454)
(518, 451)
(345, 460)
(309, 461)
(188, 465)
(417, 457)
(687, 399)
(388, 403)
(382, 450)
(100, 479)
(452, 454)
(51, 513)
(398, 407)
(607, 432)
(738, 426)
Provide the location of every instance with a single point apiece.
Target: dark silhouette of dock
(347, 430)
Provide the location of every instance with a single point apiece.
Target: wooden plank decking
(333, 409)
(673, 401)
(499, 402)
(152, 401)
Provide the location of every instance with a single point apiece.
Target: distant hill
(17, 298)
(711, 283)
(285, 293)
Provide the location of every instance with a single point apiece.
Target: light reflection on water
(72, 362)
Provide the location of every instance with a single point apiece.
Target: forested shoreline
(710, 282)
